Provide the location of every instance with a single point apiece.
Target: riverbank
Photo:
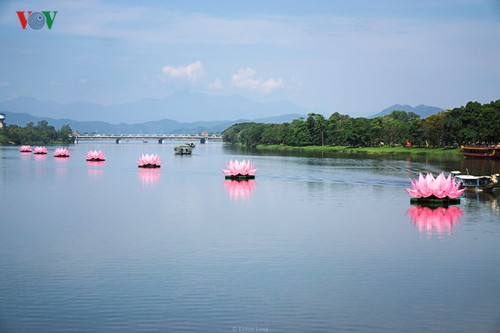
(399, 150)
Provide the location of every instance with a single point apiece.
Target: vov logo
(36, 20)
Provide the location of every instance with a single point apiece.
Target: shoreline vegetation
(399, 132)
(398, 150)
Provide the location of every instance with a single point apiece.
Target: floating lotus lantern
(438, 191)
(439, 219)
(25, 149)
(239, 170)
(95, 156)
(149, 161)
(61, 152)
(40, 150)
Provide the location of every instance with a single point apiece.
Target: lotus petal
(440, 187)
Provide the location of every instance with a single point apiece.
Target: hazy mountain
(422, 110)
(157, 127)
(182, 107)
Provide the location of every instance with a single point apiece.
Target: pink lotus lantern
(149, 161)
(25, 149)
(239, 170)
(439, 219)
(40, 150)
(95, 156)
(61, 152)
(435, 190)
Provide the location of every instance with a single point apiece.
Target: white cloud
(216, 84)
(192, 72)
(246, 79)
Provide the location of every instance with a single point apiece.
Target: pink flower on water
(40, 150)
(149, 161)
(61, 152)
(439, 187)
(25, 149)
(95, 155)
(243, 168)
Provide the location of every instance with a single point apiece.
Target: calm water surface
(312, 245)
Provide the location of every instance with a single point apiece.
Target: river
(313, 244)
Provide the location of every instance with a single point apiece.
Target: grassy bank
(366, 150)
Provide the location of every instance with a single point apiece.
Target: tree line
(473, 123)
(40, 134)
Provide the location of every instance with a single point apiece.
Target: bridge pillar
(160, 141)
(117, 141)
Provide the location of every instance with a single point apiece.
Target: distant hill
(156, 127)
(422, 110)
(181, 107)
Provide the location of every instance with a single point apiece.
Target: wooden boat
(183, 150)
(481, 151)
(477, 183)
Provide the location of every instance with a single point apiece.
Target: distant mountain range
(159, 126)
(178, 113)
(182, 107)
(423, 111)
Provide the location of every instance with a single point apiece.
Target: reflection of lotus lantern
(95, 156)
(440, 219)
(435, 190)
(25, 149)
(239, 189)
(40, 150)
(239, 170)
(149, 176)
(61, 152)
(149, 161)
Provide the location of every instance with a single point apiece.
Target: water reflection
(239, 189)
(149, 177)
(40, 157)
(95, 171)
(482, 199)
(430, 220)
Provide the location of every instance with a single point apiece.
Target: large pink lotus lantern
(239, 170)
(149, 161)
(25, 149)
(95, 156)
(440, 219)
(435, 190)
(61, 152)
(40, 150)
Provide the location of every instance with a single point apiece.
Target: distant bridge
(145, 137)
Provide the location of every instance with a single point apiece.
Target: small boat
(183, 150)
(486, 152)
(204, 140)
(191, 144)
(478, 183)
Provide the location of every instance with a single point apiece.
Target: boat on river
(477, 183)
(183, 150)
(485, 152)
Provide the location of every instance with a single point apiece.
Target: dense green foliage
(470, 124)
(40, 134)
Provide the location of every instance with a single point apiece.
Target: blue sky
(353, 57)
